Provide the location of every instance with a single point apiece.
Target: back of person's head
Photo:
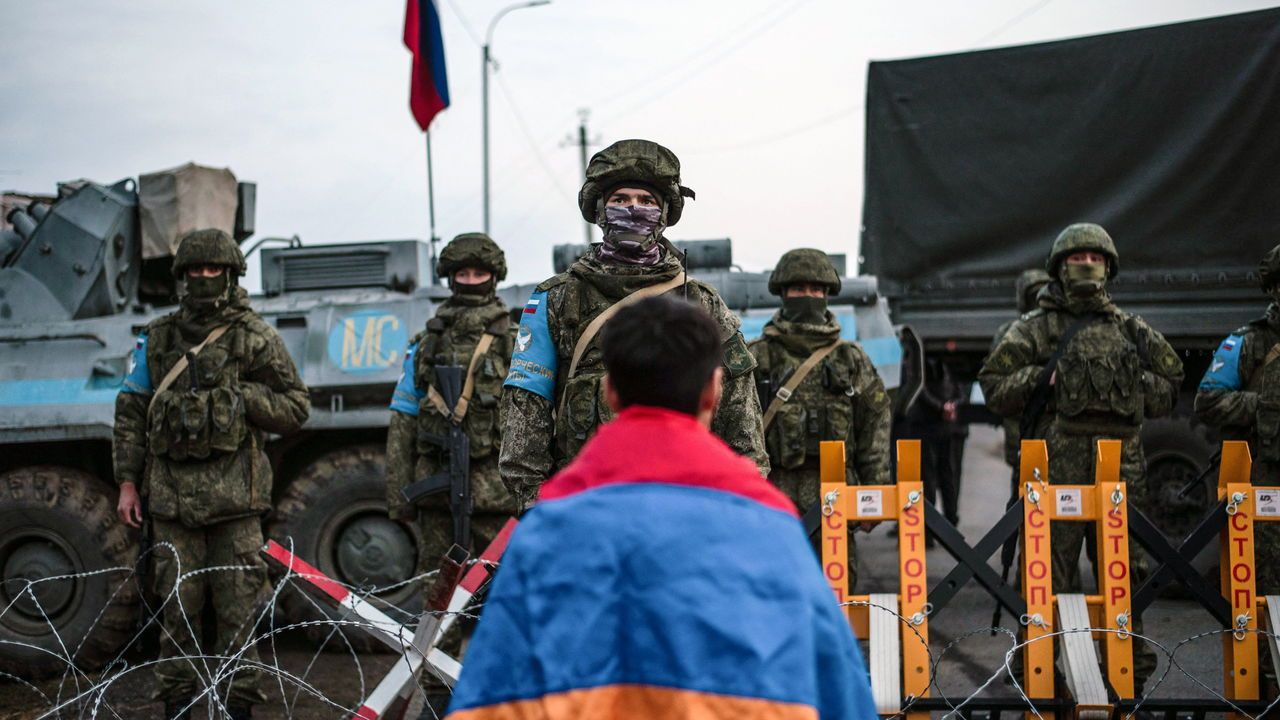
(661, 352)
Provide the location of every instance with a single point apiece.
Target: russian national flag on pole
(429, 88)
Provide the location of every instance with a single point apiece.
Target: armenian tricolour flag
(429, 87)
(660, 576)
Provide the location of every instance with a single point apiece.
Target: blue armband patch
(137, 379)
(406, 396)
(533, 365)
(1224, 369)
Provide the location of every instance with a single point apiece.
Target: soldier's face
(629, 196)
(205, 271)
(805, 290)
(1086, 257)
(472, 276)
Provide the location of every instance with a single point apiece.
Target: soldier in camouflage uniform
(840, 398)
(474, 265)
(554, 401)
(194, 444)
(1240, 395)
(1026, 289)
(1113, 374)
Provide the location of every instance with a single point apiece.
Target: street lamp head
(488, 35)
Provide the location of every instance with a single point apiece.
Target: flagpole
(431, 205)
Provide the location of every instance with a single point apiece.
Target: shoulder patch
(406, 397)
(738, 360)
(534, 362)
(137, 378)
(1224, 368)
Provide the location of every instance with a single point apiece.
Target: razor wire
(80, 693)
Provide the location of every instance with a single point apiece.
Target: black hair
(661, 352)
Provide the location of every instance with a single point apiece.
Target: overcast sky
(761, 100)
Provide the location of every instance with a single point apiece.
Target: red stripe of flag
(428, 85)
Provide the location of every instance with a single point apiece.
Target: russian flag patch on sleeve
(534, 363)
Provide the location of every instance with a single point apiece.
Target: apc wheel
(1178, 449)
(57, 521)
(335, 515)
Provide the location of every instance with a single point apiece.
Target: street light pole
(485, 59)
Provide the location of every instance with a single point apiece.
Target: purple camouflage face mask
(637, 219)
(631, 234)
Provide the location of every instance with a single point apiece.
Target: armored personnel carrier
(83, 270)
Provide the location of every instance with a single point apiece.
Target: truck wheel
(335, 515)
(58, 521)
(1178, 449)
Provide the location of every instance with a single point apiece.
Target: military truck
(83, 270)
(1163, 135)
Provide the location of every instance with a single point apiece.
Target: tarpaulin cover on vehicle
(176, 201)
(1167, 136)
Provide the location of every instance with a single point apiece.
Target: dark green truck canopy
(1167, 136)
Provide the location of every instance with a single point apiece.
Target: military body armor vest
(1265, 381)
(453, 343)
(1098, 387)
(818, 410)
(201, 415)
(582, 395)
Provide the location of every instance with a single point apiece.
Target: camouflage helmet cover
(804, 265)
(472, 250)
(1032, 279)
(640, 162)
(208, 247)
(1079, 237)
(1269, 269)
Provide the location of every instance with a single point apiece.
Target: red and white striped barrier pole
(398, 681)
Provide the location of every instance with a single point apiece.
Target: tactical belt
(784, 393)
(593, 328)
(181, 364)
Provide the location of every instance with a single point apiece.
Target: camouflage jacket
(450, 338)
(536, 442)
(1240, 392)
(1117, 372)
(196, 448)
(1010, 424)
(842, 398)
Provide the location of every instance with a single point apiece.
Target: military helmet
(1083, 236)
(1031, 279)
(638, 162)
(804, 265)
(472, 250)
(208, 247)
(1269, 269)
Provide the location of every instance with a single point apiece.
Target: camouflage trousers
(236, 595)
(437, 538)
(801, 485)
(1073, 461)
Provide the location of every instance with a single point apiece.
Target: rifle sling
(181, 364)
(468, 385)
(784, 393)
(1039, 399)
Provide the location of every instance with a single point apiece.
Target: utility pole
(583, 145)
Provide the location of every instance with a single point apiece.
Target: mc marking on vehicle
(367, 341)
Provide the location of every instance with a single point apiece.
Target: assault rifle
(455, 478)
